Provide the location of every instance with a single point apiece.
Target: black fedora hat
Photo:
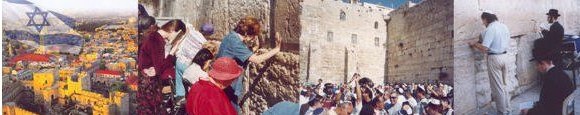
(540, 54)
(553, 12)
(542, 50)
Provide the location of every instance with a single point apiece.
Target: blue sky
(389, 3)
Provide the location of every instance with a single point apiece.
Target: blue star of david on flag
(31, 21)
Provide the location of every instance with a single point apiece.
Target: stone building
(522, 18)
(10, 108)
(339, 39)
(410, 44)
(419, 44)
(107, 76)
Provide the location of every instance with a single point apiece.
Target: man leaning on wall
(495, 42)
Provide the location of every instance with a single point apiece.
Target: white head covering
(421, 87)
(435, 101)
(400, 90)
(409, 111)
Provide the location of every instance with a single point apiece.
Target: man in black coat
(556, 84)
(555, 35)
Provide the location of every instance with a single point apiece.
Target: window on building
(354, 39)
(376, 25)
(377, 42)
(342, 15)
(329, 36)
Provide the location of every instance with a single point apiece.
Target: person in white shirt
(420, 108)
(198, 67)
(447, 107)
(495, 42)
(186, 48)
(344, 108)
(310, 107)
(304, 96)
(411, 99)
(397, 100)
(358, 95)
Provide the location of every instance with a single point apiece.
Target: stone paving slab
(531, 95)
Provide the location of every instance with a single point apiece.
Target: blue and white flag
(25, 22)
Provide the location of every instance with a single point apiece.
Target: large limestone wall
(275, 15)
(279, 82)
(521, 17)
(151, 6)
(287, 21)
(272, 85)
(420, 42)
(339, 57)
(224, 14)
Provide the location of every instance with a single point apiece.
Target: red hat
(224, 69)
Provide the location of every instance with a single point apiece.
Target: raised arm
(358, 92)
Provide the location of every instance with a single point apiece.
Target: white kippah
(422, 87)
(435, 102)
(409, 111)
(381, 91)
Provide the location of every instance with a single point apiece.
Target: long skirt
(149, 96)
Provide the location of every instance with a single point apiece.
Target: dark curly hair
(489, 17)
(202, 56)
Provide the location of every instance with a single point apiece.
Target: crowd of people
(181, 72)
(360, 96)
